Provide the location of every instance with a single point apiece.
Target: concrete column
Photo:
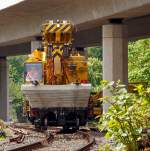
(115, 55)
(3, 89)
(35, 45)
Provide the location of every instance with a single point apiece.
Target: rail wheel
(65, 128)
(45, 124)
(76, 127)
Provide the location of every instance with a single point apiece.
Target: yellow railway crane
(56, 79)
(62, 64)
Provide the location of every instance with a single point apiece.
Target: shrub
(127, 115)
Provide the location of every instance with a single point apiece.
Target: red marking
(84, 81)
(34, 112)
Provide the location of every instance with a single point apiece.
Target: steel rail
(27, 147)
(90, 139)
(34, 145)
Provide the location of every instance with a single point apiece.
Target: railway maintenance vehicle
(56, 80)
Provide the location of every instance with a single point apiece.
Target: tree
(95, 71)
(16, 69)
(139, 61)
(95, 52)
(95, 66)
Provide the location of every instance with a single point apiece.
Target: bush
(127, 116)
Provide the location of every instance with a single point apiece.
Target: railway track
(29, 139)
(23, 139)
(90, 140)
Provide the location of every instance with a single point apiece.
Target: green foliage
(2, 132)
(128, 114)
(14, 91)
(104, 147)
(111, 147)
(139, 61)
(95, 67)
(2, 135)
(16, 69)
(95, 52)
(95, 71)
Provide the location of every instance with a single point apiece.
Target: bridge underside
(96, 26)
(137, 28)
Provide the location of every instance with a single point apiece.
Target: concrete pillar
(3, 89)
(115, 55)
(35, 45)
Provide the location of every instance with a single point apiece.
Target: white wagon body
(57, 96)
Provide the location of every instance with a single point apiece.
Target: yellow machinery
(61, 63)
(95, 105)
(56, 79)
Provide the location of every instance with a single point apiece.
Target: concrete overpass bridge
(109, 23)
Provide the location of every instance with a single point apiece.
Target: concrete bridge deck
(21, 23)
